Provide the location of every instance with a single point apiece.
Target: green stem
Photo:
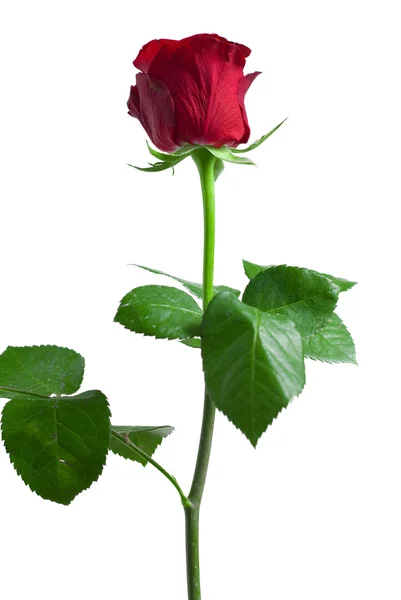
(205, 162)
(185, 502)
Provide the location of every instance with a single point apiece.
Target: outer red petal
(133, 102)
(148, 52)
(156, 111)
(243, 87)
(244, 49)
(203, 73)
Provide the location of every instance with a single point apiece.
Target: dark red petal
(244, 49)
(157, 112)
(133, 102)
(203, 73)
(243, 87)
(148, 52)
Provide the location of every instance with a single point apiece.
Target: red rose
(192, 91)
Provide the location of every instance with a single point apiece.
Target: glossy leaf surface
(57, 445)
(195, 288)
(160, 311)
(306, 297)
(41, 369)
(251, 270)
(192, 342)
(253, 363)
(146, 438)
(332, 343)
(343, 284)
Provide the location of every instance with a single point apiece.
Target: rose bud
(192, 91)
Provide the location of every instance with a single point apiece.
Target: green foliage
(332, 343)
(124, 438)
(253, 363)
(160, 311)
(251, 270)
(58, 444)
(195, 288)
(306, 297)
(41, 369)
(259, 141)
(192, 342)
(329, 342)
(341, 283)
(226, 154)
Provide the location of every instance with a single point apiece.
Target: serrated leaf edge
(335, 287)
(281, 409)
(53, 346)
(158, 337)
(130, 445)
(334, 361)
(103, 464)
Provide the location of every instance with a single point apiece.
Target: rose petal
(133, 102)
(243, 87)
(203, 73)
(148, 52)
(157, 112)
(244, 49)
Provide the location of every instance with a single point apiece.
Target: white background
(314, 513)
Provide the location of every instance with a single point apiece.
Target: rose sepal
(258, 142)
(166, 161)
(224, 153)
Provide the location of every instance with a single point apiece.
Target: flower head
(192, 91)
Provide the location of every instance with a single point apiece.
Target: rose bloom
(192, 91)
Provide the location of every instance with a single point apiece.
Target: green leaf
(57, 445)
(343, 284)
(195, 288)
(192, 342)
(160, 311)
(225, 153)
(306, 297)
(218, 168)
(146, 438)
(253, 363)
(251, 270)
(41, 369)
(332, 343)
(259, 141)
